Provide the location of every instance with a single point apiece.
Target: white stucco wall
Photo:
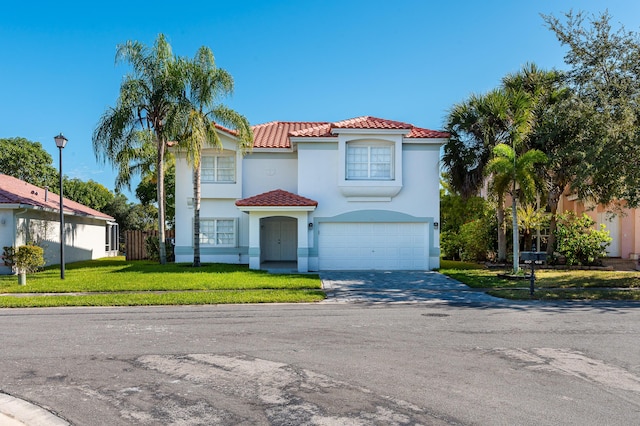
(7, 234)
(267, 171)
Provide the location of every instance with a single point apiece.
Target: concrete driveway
(400, 287)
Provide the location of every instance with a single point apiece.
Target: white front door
(361, 246)
(280, 239)
(612, 225)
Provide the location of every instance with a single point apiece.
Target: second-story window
(218, 168)
(369, 161)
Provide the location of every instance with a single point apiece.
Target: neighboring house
(623, 226)
(356, 194)
(32, 214)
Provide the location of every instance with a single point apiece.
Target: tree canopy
(28, 161)
(604, 118)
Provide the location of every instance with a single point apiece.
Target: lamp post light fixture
(61, 141)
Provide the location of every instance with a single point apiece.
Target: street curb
(18, 412)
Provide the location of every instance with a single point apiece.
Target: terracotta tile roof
(16, 191)
(277, 198)
(368, 122)
(276, 134)
(417, 132)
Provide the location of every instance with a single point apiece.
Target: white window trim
(370, 189)
(215, 169)
(369, 145)
(234, 220)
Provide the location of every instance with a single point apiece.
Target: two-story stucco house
(352, 195)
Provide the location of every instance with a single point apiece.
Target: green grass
(551, 284)
(116, 282)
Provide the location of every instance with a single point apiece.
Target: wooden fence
(135, 247)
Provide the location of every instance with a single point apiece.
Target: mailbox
(535, 257)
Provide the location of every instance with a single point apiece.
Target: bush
(474, 240)
(152, 245)
(578, 241)
(9, 257)
(29, 258)
(450, 245)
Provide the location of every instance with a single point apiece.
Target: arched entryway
(279, 239)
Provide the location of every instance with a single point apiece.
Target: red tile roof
(16, 191)
(276, 134)
(277, 198)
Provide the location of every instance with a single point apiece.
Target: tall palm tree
(144, 117)
(517, 175)
(557, 132)
(476, 127)
(207, 84)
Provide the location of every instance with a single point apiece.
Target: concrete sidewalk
(18, 412)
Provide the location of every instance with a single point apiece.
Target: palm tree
(557, 132)
(517, 175)
(475, 130)
(531, 218)
(206, 85)
(144, 117)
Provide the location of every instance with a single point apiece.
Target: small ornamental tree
(579, 241)
(29, 258)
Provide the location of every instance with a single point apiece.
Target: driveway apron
(400, 287)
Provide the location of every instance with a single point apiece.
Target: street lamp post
(61, 141)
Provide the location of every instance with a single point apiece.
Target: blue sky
(405, 60)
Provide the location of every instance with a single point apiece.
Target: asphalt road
(326, 364)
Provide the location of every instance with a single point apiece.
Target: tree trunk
(196, 214)
(502, 235)
(552, 201)
(161, 202)
(528, 240)
(516, 234)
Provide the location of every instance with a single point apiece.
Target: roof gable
(16, 191)
(277, 198)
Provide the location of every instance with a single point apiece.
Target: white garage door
(356, 246)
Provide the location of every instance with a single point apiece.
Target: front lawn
(551, 284)
(116, 282)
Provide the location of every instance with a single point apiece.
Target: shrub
(450, 245)
(578, 241)
(29, 258)
(152, 245)
(474, 240)
(9, 257)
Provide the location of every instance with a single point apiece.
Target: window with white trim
(369, 161)
(218, 232)
(218, 168)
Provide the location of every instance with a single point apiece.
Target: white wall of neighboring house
(7, 234)
(85, 237)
